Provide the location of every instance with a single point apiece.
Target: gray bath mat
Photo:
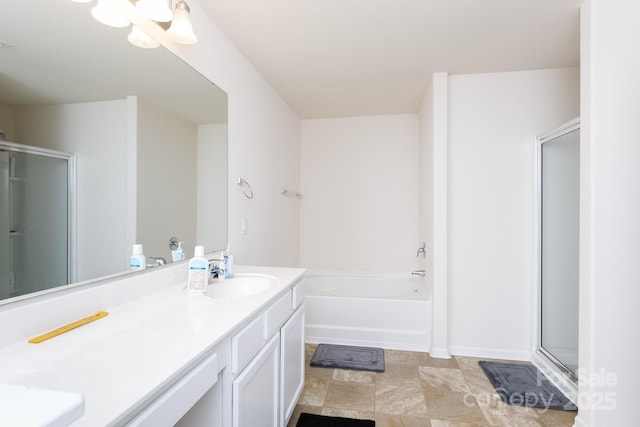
(348, 357)
(311, 420)
(524, 385)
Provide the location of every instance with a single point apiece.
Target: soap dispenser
(198, 271)
(178, 253)
(138, 261)
(227, 256)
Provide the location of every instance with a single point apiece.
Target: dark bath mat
(348, 357)
(524, 385)
(311, 420)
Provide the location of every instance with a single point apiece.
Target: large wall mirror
(146, 133)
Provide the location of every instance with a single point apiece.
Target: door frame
(558, 374)
(71, 200)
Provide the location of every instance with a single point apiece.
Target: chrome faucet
(216, 269)
(422, 250)
(158, 261)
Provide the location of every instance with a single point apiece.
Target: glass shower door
(560, 210)
(34, 220)
(6, 271)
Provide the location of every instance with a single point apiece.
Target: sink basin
(241, 286)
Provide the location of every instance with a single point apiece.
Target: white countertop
(116, 363)
(54, 408)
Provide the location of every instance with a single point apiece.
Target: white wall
(166, 180)
(264, 136)
(359, 178)
(610, 212)
(425, 181)
(6, 122)
(493, 119)
(96, 132)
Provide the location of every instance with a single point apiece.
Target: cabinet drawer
(298, 294)
(246, 344)
(277, 314)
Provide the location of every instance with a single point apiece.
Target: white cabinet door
(292, 364)
(256, 389)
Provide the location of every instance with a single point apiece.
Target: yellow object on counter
(67, 328)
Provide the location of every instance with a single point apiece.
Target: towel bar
(246, 188)
(286, 192)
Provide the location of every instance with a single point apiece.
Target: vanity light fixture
(108, 16)
(181, 30)
(156, 10)
(177, 23)
(139, 38)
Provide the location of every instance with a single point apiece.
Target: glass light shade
(181, 30)
(108, 16)
(139, 38)
(156, 10)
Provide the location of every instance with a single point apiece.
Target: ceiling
(333, 58)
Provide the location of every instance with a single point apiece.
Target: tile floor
(417, 391)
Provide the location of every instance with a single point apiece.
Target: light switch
(244, 227)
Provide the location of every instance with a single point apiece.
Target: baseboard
(491, 353)
(366, 343)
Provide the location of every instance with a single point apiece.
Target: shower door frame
(71, 202)
(554, 369)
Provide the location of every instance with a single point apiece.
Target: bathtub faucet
(420, 273)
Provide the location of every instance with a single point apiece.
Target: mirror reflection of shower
(36, 214)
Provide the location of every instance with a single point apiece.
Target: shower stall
(559, 214)
(36, 217)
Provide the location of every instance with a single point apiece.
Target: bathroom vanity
(233, 357)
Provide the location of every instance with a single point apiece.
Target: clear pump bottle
(228, 262)
(178, 253)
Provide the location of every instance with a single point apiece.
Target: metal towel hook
(246, 188)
